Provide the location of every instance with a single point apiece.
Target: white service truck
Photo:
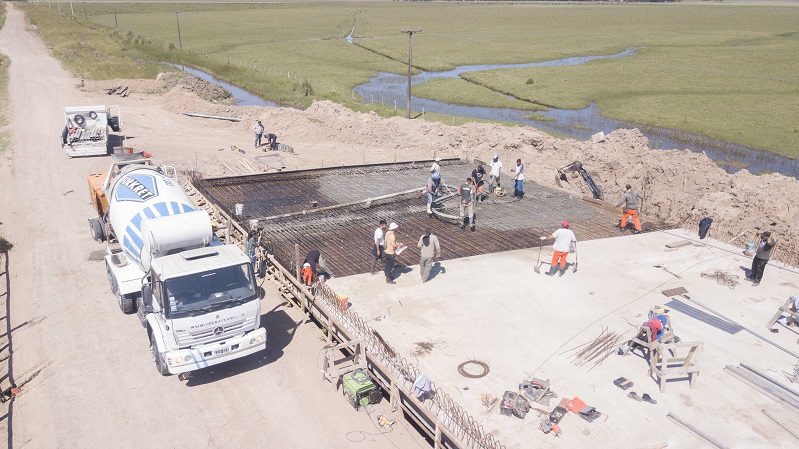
(86, 132)
(195, 296)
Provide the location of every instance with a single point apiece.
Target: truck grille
(203, 336)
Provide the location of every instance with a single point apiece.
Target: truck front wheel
(160, 363)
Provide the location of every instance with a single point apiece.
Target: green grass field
(729, 72)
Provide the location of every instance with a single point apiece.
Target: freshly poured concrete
(495, 308)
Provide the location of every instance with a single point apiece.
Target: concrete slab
(496, 309)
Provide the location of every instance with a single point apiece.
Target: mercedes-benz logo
(219, 330)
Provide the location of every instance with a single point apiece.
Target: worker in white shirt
(496, 170)
(378, 244)
(565, 242)
(435, 168)
(518, 190)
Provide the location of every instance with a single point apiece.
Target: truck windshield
(208, 291)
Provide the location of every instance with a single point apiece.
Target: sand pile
(680, 186)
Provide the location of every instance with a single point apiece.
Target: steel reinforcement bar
(440, 417)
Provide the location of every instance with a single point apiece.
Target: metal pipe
(697, 432)
(782, 348)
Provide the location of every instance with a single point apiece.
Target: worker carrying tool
(467, 192)
(630, 202)
(565, 242)
(765, 244)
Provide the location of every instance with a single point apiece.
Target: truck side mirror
(147, 298)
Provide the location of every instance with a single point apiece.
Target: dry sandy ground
(681, 186)
(96, 385)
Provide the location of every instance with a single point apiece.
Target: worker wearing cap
(430, 248)
(496, 169)
(478, 180)
(391, 247)
(630, 202)
(565, 241)
(466, 192)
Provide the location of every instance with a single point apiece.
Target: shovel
(574, 268)
(667, 271)
(537, 267)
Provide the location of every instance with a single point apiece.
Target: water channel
(388, 88)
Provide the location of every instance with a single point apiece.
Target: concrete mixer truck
(195, 296)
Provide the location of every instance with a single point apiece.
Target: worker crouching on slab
(630, 202)
(565, 242)
(430, 249)
(317, 266)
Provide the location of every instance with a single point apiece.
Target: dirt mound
(680, 186)
(201, 88)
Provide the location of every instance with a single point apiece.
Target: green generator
(359, 389)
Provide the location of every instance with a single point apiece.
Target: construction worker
(630, 202)
(317, 264)
(392, 246)
(565, 242)
(496, 169)
(251, 245)
(435, 169)
(518, 188)
(430, 248)
(466, 192)
(765, 244)
(477, 180)
(431, 192)
(378, 244)
(258, 129)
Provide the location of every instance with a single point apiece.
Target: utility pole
(71, 9)
(177, 18)
(116, 22)
(410, 34)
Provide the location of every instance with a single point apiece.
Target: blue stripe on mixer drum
(132, 241)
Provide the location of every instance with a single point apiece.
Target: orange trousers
(630, 213)
(559, 258)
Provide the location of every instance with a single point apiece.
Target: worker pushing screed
(565, 242)
(630, 202)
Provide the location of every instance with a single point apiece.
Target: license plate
(221, 351)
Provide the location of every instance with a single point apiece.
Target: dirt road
(96, 385)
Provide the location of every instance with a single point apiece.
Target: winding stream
(390, 88)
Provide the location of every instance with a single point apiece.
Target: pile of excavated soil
(680, 186)
(166, 82)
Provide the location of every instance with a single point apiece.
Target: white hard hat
(496, 156)
(438, 159)
(392, 226)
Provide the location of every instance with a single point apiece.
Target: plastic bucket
(239, 208)
(343, 302)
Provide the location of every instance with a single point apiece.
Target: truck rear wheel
(160, 363)
(126, 303)
(96, 228)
